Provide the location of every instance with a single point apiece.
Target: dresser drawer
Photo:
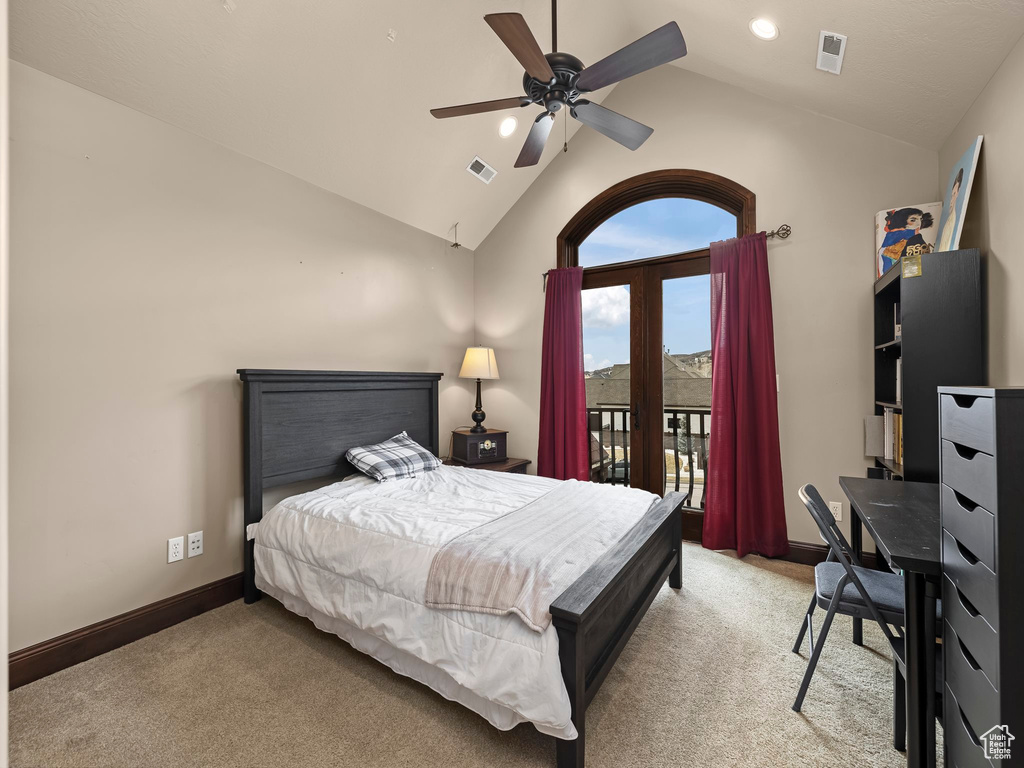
(973, 526)
(963, 747)
(972, 577)
(972, 628)
(965, 678)
(968, 421)
(970, 472)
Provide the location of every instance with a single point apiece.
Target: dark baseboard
(799, 551)
(693, 525)
(51, 656)
(812, 554)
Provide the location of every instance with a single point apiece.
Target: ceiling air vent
(481, 170)
(831, 49)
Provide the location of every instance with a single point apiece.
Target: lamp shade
(479, 363)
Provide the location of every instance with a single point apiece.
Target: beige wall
(148, 264)
(825, 178)
(993, 220)
(4, 316)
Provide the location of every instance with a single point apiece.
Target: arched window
(644, 245)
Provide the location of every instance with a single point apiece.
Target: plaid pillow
(394, 459)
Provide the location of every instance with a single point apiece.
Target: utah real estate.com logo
(997, 742)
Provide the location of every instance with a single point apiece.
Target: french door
(637, 437)
(646, 324)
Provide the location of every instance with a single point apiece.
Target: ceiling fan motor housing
(562, 90)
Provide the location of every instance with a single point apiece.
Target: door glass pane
(656, 228)
(686, 366)
(606, 362)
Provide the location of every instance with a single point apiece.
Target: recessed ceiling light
(764, 29)
(508, 126)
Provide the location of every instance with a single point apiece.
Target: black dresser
(981, 501)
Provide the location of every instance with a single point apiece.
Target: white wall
(825, 178)
(147, 265)
(993, 221)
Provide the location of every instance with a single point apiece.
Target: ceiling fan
(556, 80)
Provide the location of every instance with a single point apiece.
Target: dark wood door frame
(645, 279)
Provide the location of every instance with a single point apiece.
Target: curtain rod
(782, 233)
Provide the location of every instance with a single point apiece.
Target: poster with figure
(907, 231)
(954, 204)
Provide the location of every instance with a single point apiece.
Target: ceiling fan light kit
(559, 80)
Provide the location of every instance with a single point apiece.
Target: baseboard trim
(53, 655)
(812, 554)
(799, 551)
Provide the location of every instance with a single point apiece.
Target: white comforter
(354, 557)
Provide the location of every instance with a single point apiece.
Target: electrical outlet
(175, 549)
(195, 544)
(836, 507)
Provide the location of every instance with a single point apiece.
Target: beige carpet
(707, 680)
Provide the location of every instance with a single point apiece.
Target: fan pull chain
(565, 132)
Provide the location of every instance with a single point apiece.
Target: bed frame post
(253, 462)
(596, 616)
(570, 754)
(675, 576)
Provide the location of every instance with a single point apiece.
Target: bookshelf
(942, 343)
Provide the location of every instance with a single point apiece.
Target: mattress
(354, 558)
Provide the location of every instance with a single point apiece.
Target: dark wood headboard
(300, 424)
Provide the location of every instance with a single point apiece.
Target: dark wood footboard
(596, 616)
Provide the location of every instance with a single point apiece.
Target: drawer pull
(966, 504)
(964, 452)
(967, 604)
(966, 554)
(968, 657)
(967, 727)
(964, 401)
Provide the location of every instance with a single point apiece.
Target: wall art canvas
(954, 204)
(908, 230)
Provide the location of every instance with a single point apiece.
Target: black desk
(903, 520)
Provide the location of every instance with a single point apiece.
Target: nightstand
(512, 466)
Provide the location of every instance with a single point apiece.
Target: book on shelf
(897, 440)
(883, 436)
(899, 379)
(897, 322)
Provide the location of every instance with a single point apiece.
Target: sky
(654, 228)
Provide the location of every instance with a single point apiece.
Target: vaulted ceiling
(316, 88)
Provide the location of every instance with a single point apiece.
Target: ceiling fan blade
(534, 146)
(480, 106)
(517, 37)
(661, 46)
(629, 133)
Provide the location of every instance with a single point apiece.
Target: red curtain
(562, 451)
(744, 509)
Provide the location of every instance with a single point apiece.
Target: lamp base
(478, 419)
(478, 414)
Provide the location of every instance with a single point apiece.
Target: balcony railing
(685, 437)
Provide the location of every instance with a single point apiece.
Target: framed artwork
(954, 204)
(910, 230)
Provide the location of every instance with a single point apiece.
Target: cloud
(634, 239)
(590, 365)
(606, 307)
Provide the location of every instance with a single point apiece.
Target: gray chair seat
(885, 588)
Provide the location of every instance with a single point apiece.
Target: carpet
(707, 680)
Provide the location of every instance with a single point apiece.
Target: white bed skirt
(406, 664)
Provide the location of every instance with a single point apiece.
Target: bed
(352, 556)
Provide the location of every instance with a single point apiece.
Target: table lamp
(479, 364)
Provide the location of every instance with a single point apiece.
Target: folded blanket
(521, 562)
